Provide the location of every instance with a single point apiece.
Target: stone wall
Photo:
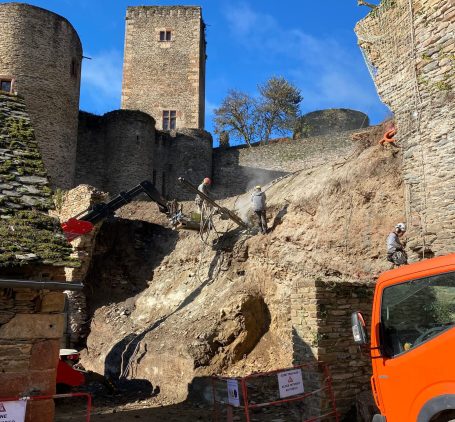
(412, 65)
(115, 151)
(42, 53)
(31, 326)
(333, 120)
(165, 75)
(32, 247)
(238, 169)
(73, 203)
(321, 323)
(120, 149)
(190, 156)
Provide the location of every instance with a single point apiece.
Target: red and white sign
(12, 411)
(290, 383)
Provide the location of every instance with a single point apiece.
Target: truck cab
(412, 343)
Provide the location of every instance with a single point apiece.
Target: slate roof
(28, 235)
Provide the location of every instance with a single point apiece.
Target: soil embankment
(169, 307)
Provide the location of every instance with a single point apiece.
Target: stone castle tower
(40, 60)
(164, 65)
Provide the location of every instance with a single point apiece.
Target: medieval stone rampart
(333, 120)
(41, 53)
(240, 168)
(120, 149)
(409, 48)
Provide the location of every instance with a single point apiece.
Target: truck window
(416, 311)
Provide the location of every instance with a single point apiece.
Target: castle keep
(164, 65)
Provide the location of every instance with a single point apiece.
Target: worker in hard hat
(395, 249)
(203, 188)
(259, 207)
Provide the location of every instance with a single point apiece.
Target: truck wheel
(446, 416)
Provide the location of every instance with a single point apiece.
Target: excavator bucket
(74, 228)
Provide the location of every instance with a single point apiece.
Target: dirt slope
(190, 309)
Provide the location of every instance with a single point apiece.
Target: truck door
(417, 339)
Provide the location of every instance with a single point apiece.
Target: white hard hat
(401, 226)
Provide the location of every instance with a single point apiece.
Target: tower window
(6, 85)
(154, 178)
(169, 119)
(165, 36)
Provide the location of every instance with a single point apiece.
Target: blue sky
(309, 42)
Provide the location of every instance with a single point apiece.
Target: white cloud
(101, 83)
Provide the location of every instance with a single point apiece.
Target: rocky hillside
(169, 307)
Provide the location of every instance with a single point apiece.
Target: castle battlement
(133, 12)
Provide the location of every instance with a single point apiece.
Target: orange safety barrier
(388, 137)
(293, 390)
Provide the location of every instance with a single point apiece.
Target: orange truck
(412, 345)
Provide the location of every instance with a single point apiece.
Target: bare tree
(237, 115)
(224, 139)
(279, 107)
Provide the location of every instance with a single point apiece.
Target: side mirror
(358, 328)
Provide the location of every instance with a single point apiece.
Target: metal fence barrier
(302, 393)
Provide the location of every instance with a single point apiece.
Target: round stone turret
(40, 60)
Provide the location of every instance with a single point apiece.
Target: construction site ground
(170, 308)
(150, 410)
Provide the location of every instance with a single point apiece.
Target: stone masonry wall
(334, 120)
(238, 169)
(41, 52)
(190, 156)
(115, 151)
(165, 75)
(321, 320)
(120, 149)
(412, 64)
(32, 247)
(72, 203)
(31, 326)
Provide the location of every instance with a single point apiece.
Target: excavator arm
(83, 223)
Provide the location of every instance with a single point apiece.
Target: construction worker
(258, 205)
(395, 249)
(203, 188)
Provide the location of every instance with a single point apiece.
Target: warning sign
(12, 411)
(233, 393)
(290, 383)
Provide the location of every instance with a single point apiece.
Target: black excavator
(84, 222)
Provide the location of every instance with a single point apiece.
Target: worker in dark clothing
(395, 249)
(204, 188)
(258, 205)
